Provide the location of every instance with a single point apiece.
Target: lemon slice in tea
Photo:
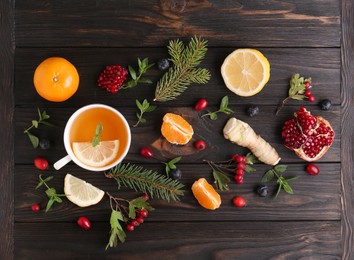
(100, 155)
(245, 72)
(80, 192)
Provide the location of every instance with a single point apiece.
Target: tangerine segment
(176, 130)
(205, 194)
(245, 72)
(56, 79)
(102, 154)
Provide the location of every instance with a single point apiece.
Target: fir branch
(183, 72)
(147, 181)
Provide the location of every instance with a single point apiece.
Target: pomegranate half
(308, 135)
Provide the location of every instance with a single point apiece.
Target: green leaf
(224, 102)
(172, 166)
(221, 180)
(280, 168)
(46, 123)
(35, 123)
(132, 72)
(97, 137)
(213, 116)
(145, 81)
(151, 108)
(44, 116)
(249, 169)
(139, 105)
(268, 176)
(51, 192)
(278, 190)
(39, 114)
(142, 120)
(131, 210)
(292, 179)
(251, 159)
(140, 65)
(175, 160)
(49, 205)
(34, 139)
(57, 199)
(141, 203)
(287, 188)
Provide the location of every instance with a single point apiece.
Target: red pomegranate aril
(41, 164)
(238, 179)
(201, 104)
(146, 152)
(311, 98)
(35, 207)
(84, 223)
(308, 93)
(312, 169)
(239, 202)
(130, 227)
(200, 145)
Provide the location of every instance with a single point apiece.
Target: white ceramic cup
(67, 142)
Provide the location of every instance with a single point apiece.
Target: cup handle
(62, 162)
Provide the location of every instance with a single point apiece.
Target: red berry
(239, 202)
(307, 84)
(241, 166)
(84, 223)
(201, 104)
(308, 93)
(41, 163)
(35, 207)
(312, 169)
(200, 145)
(311, 98)
(145, 196)
(130, 227)
(112, 78)
(234, 157)
(238, 179)
(239, 172)
(146, 152)
(143, 213)
(140, 220)
(135, 223)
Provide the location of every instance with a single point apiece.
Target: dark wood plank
(316, 198)
(149, 23)
(230, 240)
(322, 64)
(347, 150)
(6, 130)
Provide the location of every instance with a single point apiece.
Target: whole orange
(56, 79)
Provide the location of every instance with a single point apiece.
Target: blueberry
(252, 111)
(44, 144)
(176, 174)
(325, 104)
(262, 190)
(163, 64)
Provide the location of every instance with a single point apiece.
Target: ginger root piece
(242, 134)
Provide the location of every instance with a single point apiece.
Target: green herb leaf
(35, 123)
(221, 180)
(97, 137)
(116, 232)
(280, 168)
(223, 109)
(224, 102)
(249, 169)
(268, 176)
(132, 72)
(49, 204)
(144, 107)
(33, 139)
(51, 192)
(135, 79)
(251, 159)
(287, 188)
(292, 179)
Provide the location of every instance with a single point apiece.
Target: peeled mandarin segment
(245, 72)
(206, 195)
(176, 130)
(97, 156)
(80, 192)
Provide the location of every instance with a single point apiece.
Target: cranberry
(143, 213)
(201, 104)
(41, 163)
(140, 220)
(312, 169)
(239, 202)
(35, 207)
(308, 93)
(240, 172)
(84, 223)
(145, 196)
(307, 84)
(200, 145)
(238, 179)
(241, 166)
(130, 227)
(311, 98)
(135, 223)
(146, 152)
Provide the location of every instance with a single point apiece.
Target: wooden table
(314, 38)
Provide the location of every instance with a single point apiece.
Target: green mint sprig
(50, 192)
(136, 77)
(222, 109)
(283, 183)
(144, 108)
(97, 137)
(42, 119)
(296, 90)
(171, 165)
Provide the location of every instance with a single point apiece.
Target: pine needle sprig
(183, 72)
(147, 181)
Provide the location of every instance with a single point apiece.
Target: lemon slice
(98, 156)
(245, 72)
(80, 192)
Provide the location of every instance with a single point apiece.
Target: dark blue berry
(325, 104)
(163, 64)
(252, 111)
(44, 144)
(176, 174)
(262, 190)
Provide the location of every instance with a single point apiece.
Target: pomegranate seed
(35, 207)
(130, 227)
(146, 152)
(41, 163)
(200, 145)
(239, 202)
(201, 104)
(311, 98)
(312, 169)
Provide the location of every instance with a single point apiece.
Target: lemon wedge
(245, 72)
(80, 192)
(100, 155)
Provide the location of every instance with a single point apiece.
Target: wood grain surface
(314, 38)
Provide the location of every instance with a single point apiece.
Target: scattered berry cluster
(141, 214)
(308, 93)
(240, 167)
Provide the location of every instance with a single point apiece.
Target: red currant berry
(143, 213)
(234, 157)
(238, 179)
(241, 166)
(201, 104)
(35, 207)
(135, 223)
(308, 93)
(240, 158)
(130, 227)
(311, 98)
(307, 84)
(239, 172)
(146, 152)
(239, 202)
(145, 196)
(84, 223)
(312, 169)
(200, 145)
(41, 163)
(140, 220)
